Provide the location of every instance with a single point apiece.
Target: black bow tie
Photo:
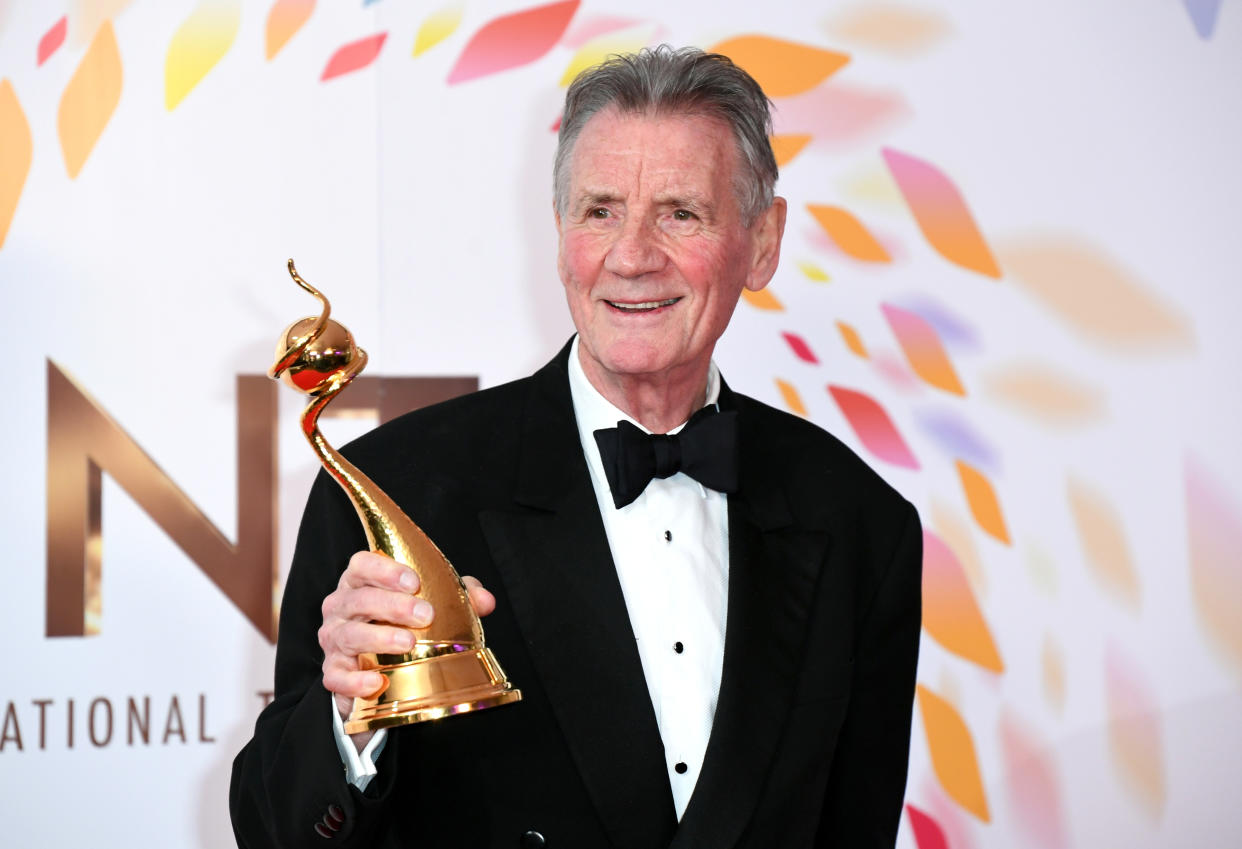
(706, 450)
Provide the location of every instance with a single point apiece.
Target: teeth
(646, 305)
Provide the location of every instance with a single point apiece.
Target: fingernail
(422, 612)
(408, 580)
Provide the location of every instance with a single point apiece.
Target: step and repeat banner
(1009, 281)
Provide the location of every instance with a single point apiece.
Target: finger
(482, 600)
(369, 569)
(352, 684)
(384, 605)
(343, 642)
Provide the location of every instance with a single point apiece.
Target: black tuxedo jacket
(812, 727)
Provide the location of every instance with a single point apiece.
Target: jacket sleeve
(288, 783)
(866, 786)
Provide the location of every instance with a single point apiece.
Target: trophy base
(432, 688)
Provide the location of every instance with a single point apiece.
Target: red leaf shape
(53, 39)
(801, 350)
(927, 832)
(354, 56)
(513, 40)
(873, 426)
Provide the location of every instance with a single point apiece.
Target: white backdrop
(1028, 267)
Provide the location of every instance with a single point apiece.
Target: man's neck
(659, 402)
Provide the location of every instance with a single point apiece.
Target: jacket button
(532, 840)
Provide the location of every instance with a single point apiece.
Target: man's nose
(636, 251)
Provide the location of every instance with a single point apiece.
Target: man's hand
(375, 589)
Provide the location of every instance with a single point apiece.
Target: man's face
(653, 250)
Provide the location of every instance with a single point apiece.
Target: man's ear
(767, 233)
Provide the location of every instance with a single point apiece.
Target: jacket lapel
(553, 557)
(774, 565)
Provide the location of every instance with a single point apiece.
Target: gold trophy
(449, 670)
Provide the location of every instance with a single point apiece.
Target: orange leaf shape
(16, 153)
(1093, 294)
(848, 233)
(941, 213)
(1135, 740)
(782, 68)
(1104, 542)
(513, 40)
(952, 753)
(984, 505)
(785, 148)
(792, 399)
(896, 29)
(924, 352)
(951, 616)
(762, 300)
(1045, 395)
(197, 46)
(852, 340)
(1215, 531)
(283, 21)
(89, 100)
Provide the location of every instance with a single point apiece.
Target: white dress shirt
(671, 551)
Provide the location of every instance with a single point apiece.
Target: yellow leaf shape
(813, 271)
(848, 233)
(782, 68)
(896, 29)
(1093, 294)
(598, 49)
(792, 399)
(438, 26)
(952, 753)
(951, 615)
(1135, 740)
(956, 533)
(852, 340)
(1104, 542)
(981, 498)
(763, 300)
(1052, 662)
(89, 100)
(1215, 536)
(283, 21)
(785, 148)
(873, 186)
(197, 46)
(1045, 395)
(16, 153)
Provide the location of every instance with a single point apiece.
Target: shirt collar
(594, 412)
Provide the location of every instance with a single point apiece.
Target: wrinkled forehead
(695, 144)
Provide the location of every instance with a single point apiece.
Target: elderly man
(720, 656)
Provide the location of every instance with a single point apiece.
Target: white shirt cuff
(359, 766)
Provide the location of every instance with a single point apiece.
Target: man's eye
(599, 212)
(683, 215)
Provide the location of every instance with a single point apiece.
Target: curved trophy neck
(391, 532)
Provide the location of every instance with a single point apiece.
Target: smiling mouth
(645, 306)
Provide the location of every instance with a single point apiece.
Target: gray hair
(665, 81)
